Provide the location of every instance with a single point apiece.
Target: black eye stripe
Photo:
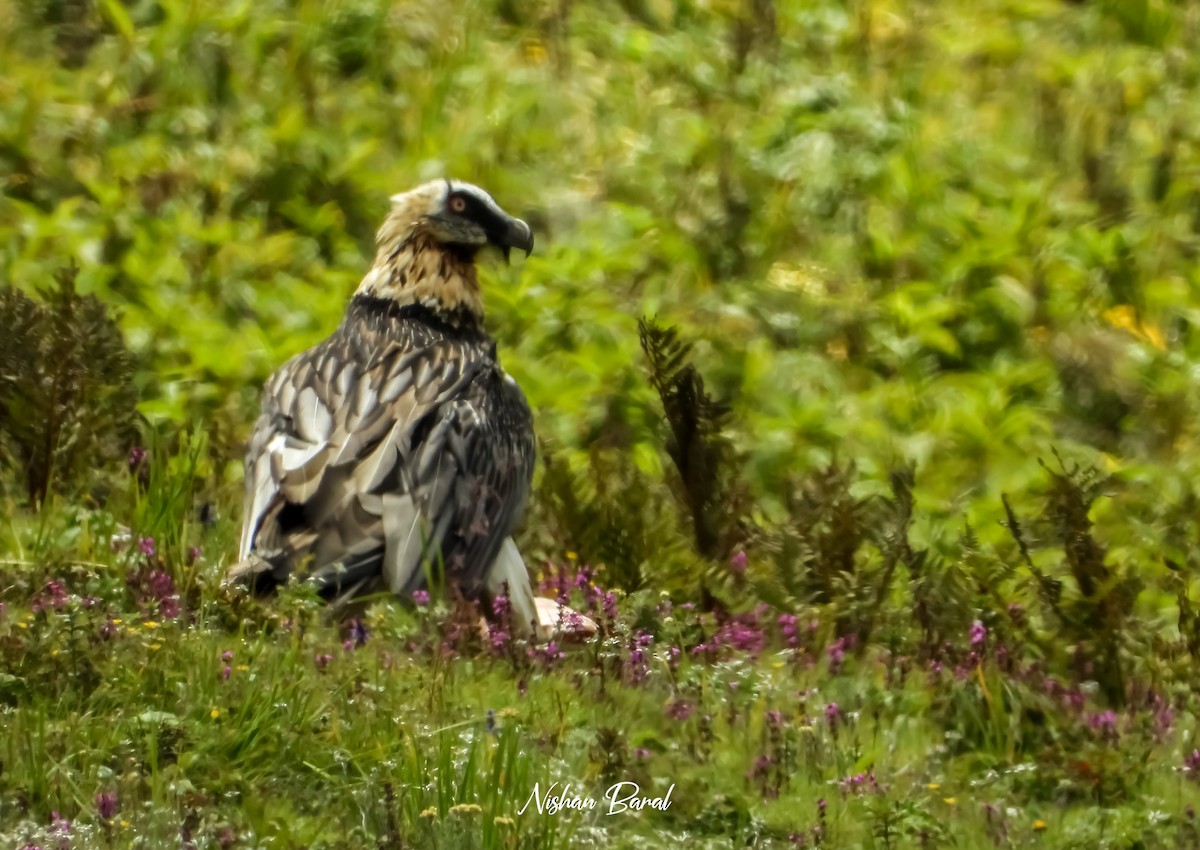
(475, 210)
(471, 206)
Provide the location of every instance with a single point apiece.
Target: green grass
(938, 260)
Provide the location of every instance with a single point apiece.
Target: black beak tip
(506, 250)
(523, 237)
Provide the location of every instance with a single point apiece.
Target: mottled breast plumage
(397, 450)
(396, 441)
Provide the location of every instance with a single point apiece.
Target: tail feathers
(509, 570)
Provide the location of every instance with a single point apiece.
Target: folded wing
(374, 464)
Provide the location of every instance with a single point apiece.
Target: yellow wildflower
(503, 821)
(243, 667)
(215, 713)
(150, 624)
(1039, 825)
(155, 646)
(465, 809)
(22, 625)
(933, 786)
(431, 812)
(1125, 317)
(535, 53)
(950, 801)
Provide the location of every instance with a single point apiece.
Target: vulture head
(427, 245)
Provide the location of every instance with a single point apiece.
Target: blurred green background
(960, 235)
(921, 372)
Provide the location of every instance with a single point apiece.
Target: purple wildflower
(1164, 719)
(760, 768)
(680, 710)
(573, 620)
(638, 665)
(547, 655)
(155, 590)
(789, 628)
(226, 673)
(498, 636)
(322, 660)
(358, 632)
(742, 634)
(738, 563)
(1003, 659)
(978, 634)
(106, 804)
(610, 605)
(858, 783)
(833, 714)
(1104, 724)
(641, 753)
(146, 547)
(137, 456)
(837, 654)
(54, 596)
(1192, 765)
(421, 597)
(704, 650)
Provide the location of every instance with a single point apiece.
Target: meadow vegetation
(862, 338)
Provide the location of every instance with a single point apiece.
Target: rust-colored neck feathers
(411, 267)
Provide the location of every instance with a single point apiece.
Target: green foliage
(911, 248)
(614, 516)
(697, 443)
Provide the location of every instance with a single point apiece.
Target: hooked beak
(516, 235)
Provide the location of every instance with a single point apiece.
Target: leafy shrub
(67, 397)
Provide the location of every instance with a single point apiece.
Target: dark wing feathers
(390, 448)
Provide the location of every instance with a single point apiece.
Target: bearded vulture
(398, 451)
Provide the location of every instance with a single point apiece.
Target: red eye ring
(457, 204)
